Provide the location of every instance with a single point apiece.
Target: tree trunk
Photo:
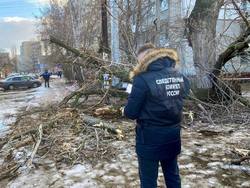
(175, 24)
(104, 40)
(202, 32)
(138, 14)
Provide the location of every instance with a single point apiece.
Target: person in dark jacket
(59, 74)
(46, 76)
(156, 103)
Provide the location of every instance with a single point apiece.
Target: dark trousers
(46, 83)
(148, 171)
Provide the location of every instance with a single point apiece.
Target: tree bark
(202, 32)
(138, 15)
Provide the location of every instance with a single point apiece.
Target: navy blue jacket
(46, 75)
(156, 102)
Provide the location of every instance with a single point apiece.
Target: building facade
(170, 17)
(30, 56)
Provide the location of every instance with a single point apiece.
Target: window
(164, 5)
(25, 78)
(16, 79)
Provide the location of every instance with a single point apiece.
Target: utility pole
(157, 22)
(115, 51)
(104, 40)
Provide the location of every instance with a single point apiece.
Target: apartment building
(169, 16)
(30, 56)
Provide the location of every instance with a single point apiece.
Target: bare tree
(75, 25)
(201, 34)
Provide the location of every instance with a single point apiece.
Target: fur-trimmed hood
(151, 56)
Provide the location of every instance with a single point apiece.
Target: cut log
(98, 123)
(108, 111)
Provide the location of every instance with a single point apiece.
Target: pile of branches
(70, 136)
(217, 113)
(64, 136)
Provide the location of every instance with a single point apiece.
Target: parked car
(13, 74)
(34, 75)
(23, 81)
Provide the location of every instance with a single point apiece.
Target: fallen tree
(92, 60)
(95, 66)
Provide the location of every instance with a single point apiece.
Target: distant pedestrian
(156, 102)
(59, 74)
(46, 76)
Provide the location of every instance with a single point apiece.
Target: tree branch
(241, 14)
(236, 47)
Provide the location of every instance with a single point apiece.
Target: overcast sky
(17, 21)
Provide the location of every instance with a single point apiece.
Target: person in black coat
(156, 103)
